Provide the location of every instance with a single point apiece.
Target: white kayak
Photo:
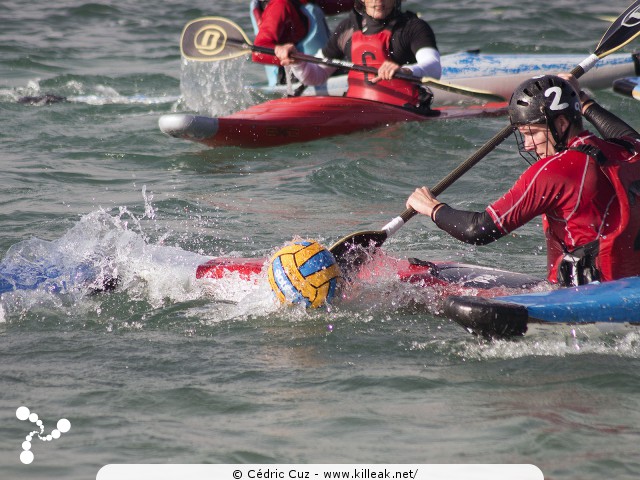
(497, 73)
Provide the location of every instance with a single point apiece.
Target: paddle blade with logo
(213, 38)
(624, 29)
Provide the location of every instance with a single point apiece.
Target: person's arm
(427, 65)
(312, 73)
(307, 73)
(415, 41)
(530, 196)
(475, 228)
(421, 41)
(607, 124)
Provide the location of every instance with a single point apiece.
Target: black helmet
(541, 100)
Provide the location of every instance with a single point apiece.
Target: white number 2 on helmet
(555, 101)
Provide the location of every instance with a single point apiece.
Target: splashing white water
(215, 88)
(111, 252)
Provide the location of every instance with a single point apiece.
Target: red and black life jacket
(372, 50)
(619, 245)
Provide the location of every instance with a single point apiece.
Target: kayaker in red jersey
(378, 34)
(587, 189)
(300, 22)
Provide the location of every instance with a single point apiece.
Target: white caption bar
(318, 472)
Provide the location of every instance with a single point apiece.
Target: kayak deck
(302, 119)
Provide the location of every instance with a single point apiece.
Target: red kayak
(448, 278)
(302, 119)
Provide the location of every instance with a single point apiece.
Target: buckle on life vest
(578, 267)
(425, 99)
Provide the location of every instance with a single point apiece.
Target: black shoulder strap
(626, 144)
(592, 151)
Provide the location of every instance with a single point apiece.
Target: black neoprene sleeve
(475, 228)
(607, 124)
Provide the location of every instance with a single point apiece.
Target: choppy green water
(167, 369)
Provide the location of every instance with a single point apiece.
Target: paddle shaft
(488, 147)
(331, 62)
(461, 169)
(206, 39)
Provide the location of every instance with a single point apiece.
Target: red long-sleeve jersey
(283, 21)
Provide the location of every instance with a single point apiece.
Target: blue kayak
(616, 302)
(53, 267)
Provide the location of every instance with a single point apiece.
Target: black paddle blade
(625, 28)
(210, 39)
(356, 249)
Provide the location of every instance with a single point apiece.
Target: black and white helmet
(540, 100)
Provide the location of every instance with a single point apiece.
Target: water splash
(113, 251)
(215, 88)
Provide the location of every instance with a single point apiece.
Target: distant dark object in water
(39, 100)
(108, 284)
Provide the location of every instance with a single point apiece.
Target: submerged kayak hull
(302, 119)
(449, 278)
(616, 302)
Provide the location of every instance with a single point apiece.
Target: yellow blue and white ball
(304, 273)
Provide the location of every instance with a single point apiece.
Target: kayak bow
(616, 302)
